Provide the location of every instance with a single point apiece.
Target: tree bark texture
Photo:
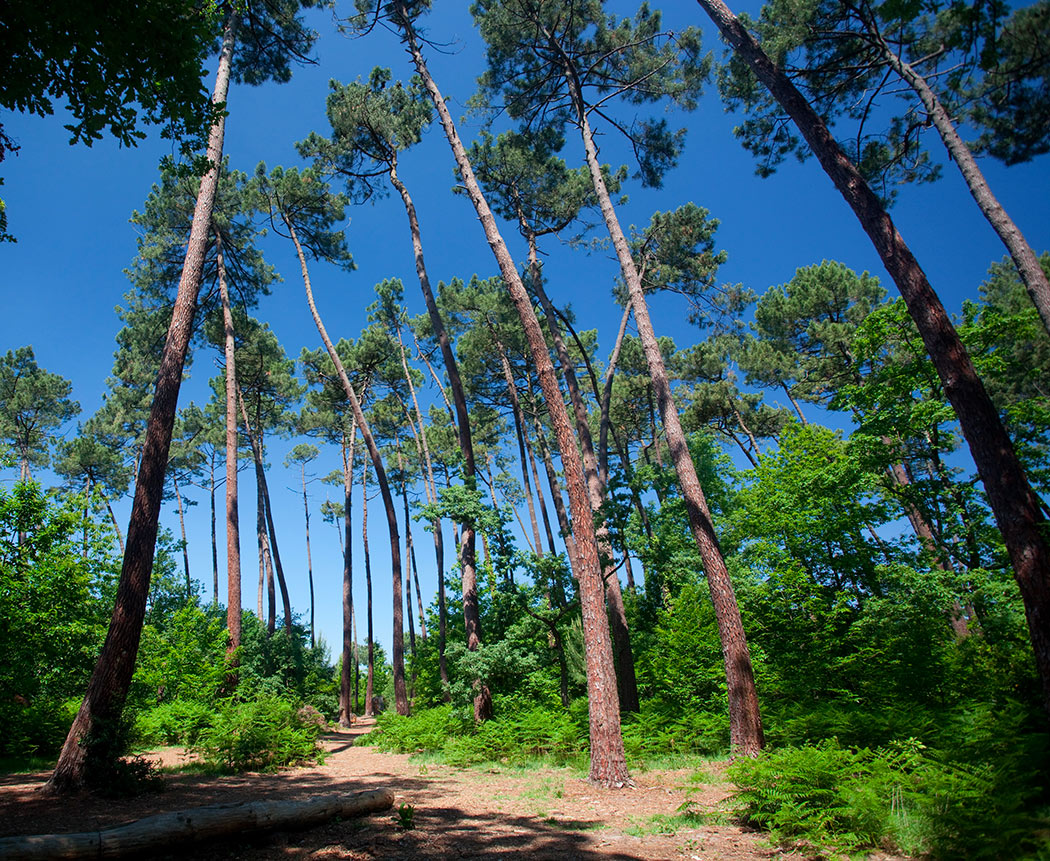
(108, 687)
(627, 684)
(233, 528)
(349, 645)
(1024, 258)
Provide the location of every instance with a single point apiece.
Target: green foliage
(599, 57)
(113, 75)
(55, 568)
(427, 730)
(902, 797)
(661, 729)
(286, 666)
(264, 733)
(406, 815)
(174, 722)
(518, 734)
(33, 403)
(183, 658)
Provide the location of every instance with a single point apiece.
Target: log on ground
(195, 825)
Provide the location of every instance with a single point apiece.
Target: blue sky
(69, 208)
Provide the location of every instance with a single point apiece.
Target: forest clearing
(536, 812)
(636, 418)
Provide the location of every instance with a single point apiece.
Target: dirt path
(458, 813)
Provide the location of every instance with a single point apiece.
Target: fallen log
(195, 825)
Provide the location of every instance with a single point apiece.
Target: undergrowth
(261, 734)
(902, 797)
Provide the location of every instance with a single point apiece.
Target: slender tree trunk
(116, 524)
(233, 527)
(544, 516)
(266, 578)
(1015, 506)
(1024, 258)
(349, 635)
(605, 422)
(214, 535)
(182, 532)
(263, 492)
(468, 567)
(515, 406)
(900, 477)
(744, 719)
(369, 693)
(608, 763)
(398, 649)
(107, 689)
(278, 568)
(556, 494)
(309, 560)
(627, 683)
(408, 562)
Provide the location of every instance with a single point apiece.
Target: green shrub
(821, 794)
(902, 797)
(661, 730)
(427, 730)
(517, 734)
(518, 737)
(175, 722)
(260, 734)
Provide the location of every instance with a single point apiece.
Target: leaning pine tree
(547, 60)
(1018, 512)
(608, 761)
(93, 739)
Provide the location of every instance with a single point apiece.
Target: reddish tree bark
(85, 744)
(608, 762)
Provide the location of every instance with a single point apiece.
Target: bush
(902, 797)
(427, 730)
(518, 737)
(517, 734)
(260, 734)
(175, 722)
(661, 730)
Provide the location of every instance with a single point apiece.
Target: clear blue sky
(69, 208)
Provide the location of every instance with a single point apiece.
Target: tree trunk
(107, 689)
(627, 683)
(349, 636)
(556, 494)
(1015, 506)
(745, 721)
(263, 492)
(309, 560)
(1024, 258)
(608, 763)
(398, 649)
(369, 694)
(515, 407)
(182, 531)
(233, 527)
(468, 566)
(214, 536)
(544, 516)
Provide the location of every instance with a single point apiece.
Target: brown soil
(457, 813)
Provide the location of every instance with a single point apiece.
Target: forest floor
(537, 813)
